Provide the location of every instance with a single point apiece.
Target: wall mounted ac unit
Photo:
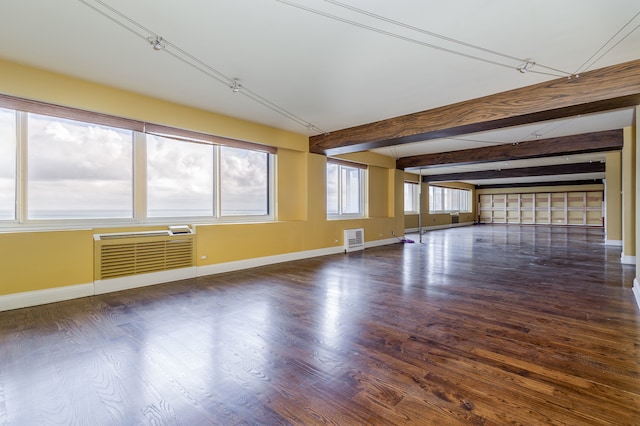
(132, 253)
(353, 239)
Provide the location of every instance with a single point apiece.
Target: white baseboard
(237, 265)
(58, 294)
(436, 227)
(616, 243)
(446, 226)
(378, 243)
(636, 291)
(143, 280)
(41, 297)
(627, 260)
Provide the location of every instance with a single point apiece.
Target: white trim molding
(636, 291)
(143, 280)
(436, 227)
(627, 260)
(616, 243)
(59, 294)
(41, 297)
(238, 265)
(378, 243)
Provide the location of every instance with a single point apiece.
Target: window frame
(362, 201)
(140, 130)
(449, 193)
(415, 190)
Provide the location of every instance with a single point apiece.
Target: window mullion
(139, 177)
(217, 207)
(21, 167)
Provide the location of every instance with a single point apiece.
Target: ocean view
(123, 214)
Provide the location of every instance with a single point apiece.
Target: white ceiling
(326, 63)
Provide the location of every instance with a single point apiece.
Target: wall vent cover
(136, 253)
(353, 239)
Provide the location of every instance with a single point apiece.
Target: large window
(448, 200)
(345, 190)
(62, 170)
(411, 197)
(244, 182)
(78, 170)
(179, 178)
(7, 164)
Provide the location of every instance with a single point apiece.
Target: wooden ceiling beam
(610, 140)
(556, 169)
(604, 89)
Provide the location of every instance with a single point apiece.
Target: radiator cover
(127, 254)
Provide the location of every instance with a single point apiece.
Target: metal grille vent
(354, 239)
(121, 257)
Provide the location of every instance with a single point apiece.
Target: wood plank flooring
(482, 325)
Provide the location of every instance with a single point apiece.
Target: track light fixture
(157, 42)
(524, 67)
(235, 85)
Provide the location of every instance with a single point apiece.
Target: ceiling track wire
(200, 65)
(175, 51)
(442, 37)
(112, 19)
(419, 42)
(582, 68)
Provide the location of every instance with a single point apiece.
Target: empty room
(313, 212)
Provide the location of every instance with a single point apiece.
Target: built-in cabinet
(550, 208)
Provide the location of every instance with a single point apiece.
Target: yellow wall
(40, 260)
(628, 193)
(44, 260)
(613, 194)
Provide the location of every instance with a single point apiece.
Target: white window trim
(23, 223)
(469, 201)
(416, 197)
(363, 177)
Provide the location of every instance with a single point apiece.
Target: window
(179, 178)
(111, 172)
(7, 164)
(244, 182)
(445, 200)
(345, 190)
(411, 197)
(78, 170)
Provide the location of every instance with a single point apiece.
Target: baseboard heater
(132, 253)
(353, 239)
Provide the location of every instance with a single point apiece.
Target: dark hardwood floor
(483, 325)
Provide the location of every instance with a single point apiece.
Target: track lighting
(523, 68)
(157, 42)
(235, 86)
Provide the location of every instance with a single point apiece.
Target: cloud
(69, 150)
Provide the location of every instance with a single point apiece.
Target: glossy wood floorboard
(482, 325)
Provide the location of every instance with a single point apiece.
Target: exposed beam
(557, 169)
(609, 140)
(538, 184)
(603, 89)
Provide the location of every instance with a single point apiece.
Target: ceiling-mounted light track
(499, 62)
(235, 85)
(159, 43)
(526, 66)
